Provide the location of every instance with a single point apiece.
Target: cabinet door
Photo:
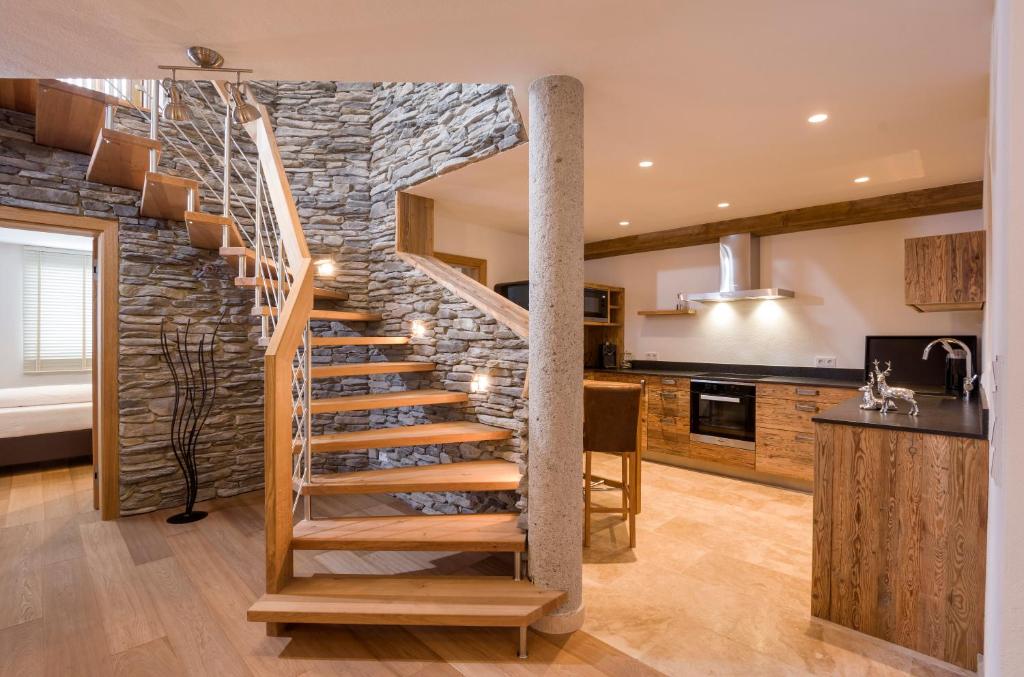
(786, 453)
(945, 272)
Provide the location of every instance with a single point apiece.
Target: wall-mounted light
(480, 383)
(418, 328)
(325, 267)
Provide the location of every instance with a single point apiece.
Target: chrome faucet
(958, 354)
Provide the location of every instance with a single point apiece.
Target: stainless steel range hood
(740, 272)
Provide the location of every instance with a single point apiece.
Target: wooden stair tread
(408, 436)
(205, 231)
(326, 341)
(496, 475)
(367, 368)
(232, 254)
(68, 116)
(485, 532)
(484, 601)
(327, 315)
(120, 159)
(318, 292)
(166, 197)
(402, 398)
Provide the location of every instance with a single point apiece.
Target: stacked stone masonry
(347, 147)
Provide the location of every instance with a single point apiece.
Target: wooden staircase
(77, 119)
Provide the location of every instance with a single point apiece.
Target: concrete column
(556, 345)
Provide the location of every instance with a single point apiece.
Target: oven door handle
(720, 398)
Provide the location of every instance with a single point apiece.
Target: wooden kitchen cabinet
(945, 272)
(785, 433)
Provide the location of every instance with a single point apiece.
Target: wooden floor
(140, 597)
(720, 584)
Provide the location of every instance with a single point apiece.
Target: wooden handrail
(281, 351)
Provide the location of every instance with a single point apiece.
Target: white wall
(848, 283)
(507, 254)
(11, 350)
(1004, 341)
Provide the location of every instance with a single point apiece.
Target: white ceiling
(715, 93)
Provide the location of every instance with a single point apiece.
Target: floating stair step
(19, 94)
(318, 293)
(327, 315)
(68, 116)
(467, 476)
(232, 254)
(120, 159)
(480, 601)
(367, 368)
(408, 436)
(205, 231)
(402, 398)
(487, 532)
(329, 341)
(167, 197)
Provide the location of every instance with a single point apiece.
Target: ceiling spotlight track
(208, 60)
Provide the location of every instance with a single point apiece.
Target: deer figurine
(888, 393)
(871, 401)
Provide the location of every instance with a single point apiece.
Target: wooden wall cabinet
(945, 272)
(596, 332)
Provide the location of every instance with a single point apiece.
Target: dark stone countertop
(825, 380)
(938, 415)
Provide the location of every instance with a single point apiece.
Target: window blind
(57, 309)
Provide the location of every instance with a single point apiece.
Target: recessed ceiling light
(723, 205)
(623, 223)
(862, 179)
(646, 163)
(817, 118)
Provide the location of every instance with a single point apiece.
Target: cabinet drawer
(739, 458)
(793, 415)
(786, 453)
(613, 376)
(816, 394)
(669, 402)
(669, 434)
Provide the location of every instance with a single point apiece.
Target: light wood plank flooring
(140, 597)
(720, 584)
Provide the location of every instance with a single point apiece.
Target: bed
(44, 423)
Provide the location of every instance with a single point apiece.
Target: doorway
(100, 346)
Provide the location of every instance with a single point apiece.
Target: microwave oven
(595, 300)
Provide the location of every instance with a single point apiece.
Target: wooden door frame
(106, 414)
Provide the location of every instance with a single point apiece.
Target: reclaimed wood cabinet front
(945, 272)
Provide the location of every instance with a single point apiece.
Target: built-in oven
(723, 413)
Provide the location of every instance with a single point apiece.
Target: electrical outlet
(650, 356)
(829, 362)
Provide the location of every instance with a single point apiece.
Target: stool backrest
(611, 416)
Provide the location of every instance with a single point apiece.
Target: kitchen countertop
(823, 381)
(938, 415)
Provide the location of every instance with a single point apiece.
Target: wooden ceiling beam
(955, 198)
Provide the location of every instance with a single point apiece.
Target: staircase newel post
(555, 509)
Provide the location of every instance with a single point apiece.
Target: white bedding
(45, 409)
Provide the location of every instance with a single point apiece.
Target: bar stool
(611, 425)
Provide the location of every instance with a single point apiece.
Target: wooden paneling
(945, 272)
(19, 94)
(786, 453)
(899, 537)
(954, 198)
(414, 224)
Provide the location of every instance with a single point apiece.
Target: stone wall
(347, 148)
(161, 277)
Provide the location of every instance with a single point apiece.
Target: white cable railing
(235, 167)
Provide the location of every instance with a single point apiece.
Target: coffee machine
(608, 356)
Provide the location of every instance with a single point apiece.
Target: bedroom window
(57, 310)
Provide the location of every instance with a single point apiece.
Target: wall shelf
(661, 313)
